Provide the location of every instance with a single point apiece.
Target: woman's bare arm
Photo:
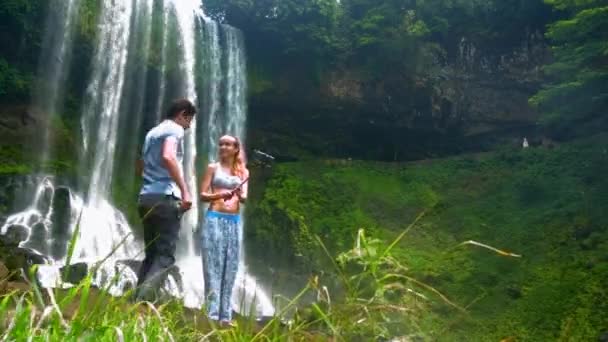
(244, 191)
(207, 194)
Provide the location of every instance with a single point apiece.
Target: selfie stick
(257, 155)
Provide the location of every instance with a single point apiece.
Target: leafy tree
(578, 90)
(13, 83)
(20, 39)
(303, 28)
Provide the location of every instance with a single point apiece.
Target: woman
(223, 188)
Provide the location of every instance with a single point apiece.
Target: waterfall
(163, 68)
(236, 84)
(53, 65)
(199, 60)
(104, 93)
(212, 100)
(187, 258)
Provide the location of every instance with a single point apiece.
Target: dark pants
(161, 216)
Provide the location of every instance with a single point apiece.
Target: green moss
(259, 80)
(12, 161)
(547, 205)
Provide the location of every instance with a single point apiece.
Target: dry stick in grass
(206, 337)
(33, 286)
(498, 251)
(56, 307)
(326, 320)
(139, 327)
(45, 314)
(160, 321)
(32, 319)
(342, 275)
(459, 318)
(432, 289)
(11, 326)
(396, 241)
(119, 334)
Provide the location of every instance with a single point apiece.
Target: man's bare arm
(170, 163)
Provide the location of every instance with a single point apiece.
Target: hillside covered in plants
(439, 174)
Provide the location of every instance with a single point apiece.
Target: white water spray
(101, 110)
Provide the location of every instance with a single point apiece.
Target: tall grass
(378, 299)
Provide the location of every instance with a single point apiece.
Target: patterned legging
(221, 247)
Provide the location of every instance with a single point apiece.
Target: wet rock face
(15, 234)
(61, 219)
(488, 90)
(17, 258)
(15, 191)
(74, 273)
(473, 97)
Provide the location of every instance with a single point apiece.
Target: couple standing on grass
(164, 197)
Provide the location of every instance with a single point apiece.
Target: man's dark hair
(181, 105)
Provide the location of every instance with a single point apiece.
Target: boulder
(62, 212)
(32, 257)
(15, 234)
(74, 273)
(42, 194)
(60, 222)
(16, 258)
(38, 239)
(134, 265)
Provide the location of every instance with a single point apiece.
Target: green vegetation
(13, 83)
(579, 75)
(362, 30)
(20, 35)
(545, 204)
(380, 301)
(11, 161)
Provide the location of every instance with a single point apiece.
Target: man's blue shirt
(157, 179)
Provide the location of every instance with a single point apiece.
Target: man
(164, 196)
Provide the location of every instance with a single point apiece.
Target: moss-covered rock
(473, 98)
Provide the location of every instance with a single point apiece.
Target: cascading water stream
(53, 69)
(214, 72)
(100, 120)
(187, 12)
(100, 132)
(163, 68)
(236, 83)
(117, 94)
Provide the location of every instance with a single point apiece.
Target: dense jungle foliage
(333, 79)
